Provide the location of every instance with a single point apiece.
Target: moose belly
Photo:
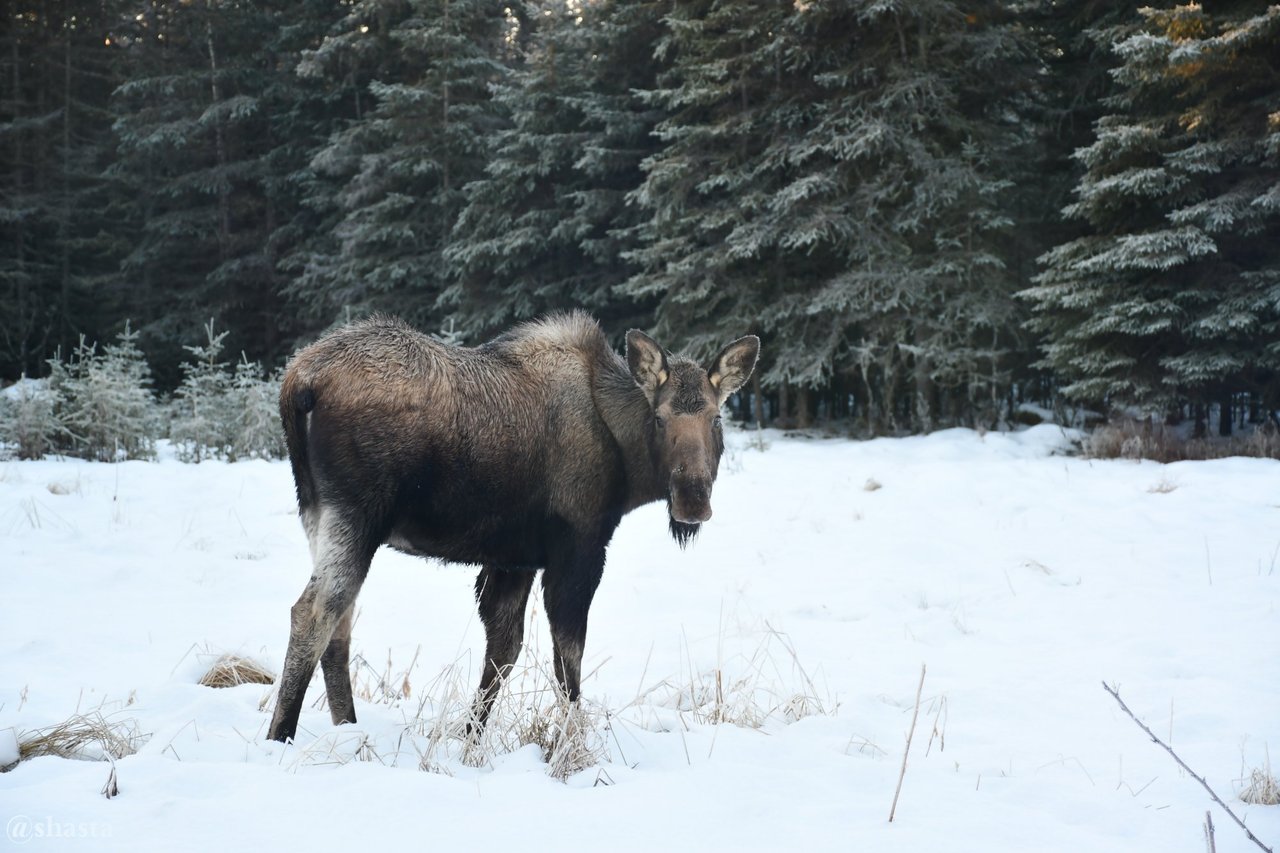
(501, 542)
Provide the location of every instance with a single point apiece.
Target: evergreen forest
(931, 212)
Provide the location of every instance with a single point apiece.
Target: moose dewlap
(519, 455)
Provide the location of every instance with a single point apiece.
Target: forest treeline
(929, 211)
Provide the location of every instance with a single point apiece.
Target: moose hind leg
(502, 596)
(337, 677)
(342, 557)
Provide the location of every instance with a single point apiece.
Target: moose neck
(627, 414)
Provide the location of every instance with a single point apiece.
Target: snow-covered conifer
(28, 424)
(104, 401)
(1171, 296)
(200, 425)
(252, 414)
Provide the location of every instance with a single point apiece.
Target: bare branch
(1116, 695)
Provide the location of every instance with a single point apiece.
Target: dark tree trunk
(64, 224)
(19, 330)
(926, 406)
(804, 409)
(757, 399)
(220, 149)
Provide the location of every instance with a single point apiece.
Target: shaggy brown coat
(518, 455)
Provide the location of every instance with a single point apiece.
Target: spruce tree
(544, 228)
(28, 421)
(214, 125)
(1171, 296)
(103, 400)
(59, 214)
(705, 188)
(835, 175)
(390, 184)
(200, 425)
(252, 414)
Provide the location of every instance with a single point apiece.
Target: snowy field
(1023, 578)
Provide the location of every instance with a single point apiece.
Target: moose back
(518, 455)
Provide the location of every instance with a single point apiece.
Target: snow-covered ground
(1021, 577)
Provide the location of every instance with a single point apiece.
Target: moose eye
(659, 421)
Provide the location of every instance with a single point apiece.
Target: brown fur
(519, 455)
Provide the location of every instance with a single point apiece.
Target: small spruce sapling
(200, 428)
(103, 401)
(253, 415)
(27, 420)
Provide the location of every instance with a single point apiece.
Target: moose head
(686, 439)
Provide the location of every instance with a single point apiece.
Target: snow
(1021, 577)
(24, 387)
(8, 747)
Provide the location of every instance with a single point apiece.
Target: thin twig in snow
(1116, 695)
(911, 731)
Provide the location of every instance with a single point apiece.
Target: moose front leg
(502, 596)
(568, 588)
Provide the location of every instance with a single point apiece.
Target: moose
(519, 455)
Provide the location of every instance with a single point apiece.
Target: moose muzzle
(690, 498)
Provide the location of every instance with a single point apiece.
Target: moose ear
(647, 361)
(731, 369)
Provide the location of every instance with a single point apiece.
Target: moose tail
(295, 404)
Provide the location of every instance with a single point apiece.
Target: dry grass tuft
(864, 746)
(528, 709)
(336, 749)
(383, 687)
(1133, 439)
(569, 734)
(749, 692)
(1262, 790)
(85, 737)
(233, 670)
(66, 488)
(440, 729)
(439, 726)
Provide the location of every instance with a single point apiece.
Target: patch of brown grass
(1133, 439)
(528, 709)
(85, 737)
(569, 734)
(1262, 790)
(765, 686)
(233, 670)
(531, 709)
